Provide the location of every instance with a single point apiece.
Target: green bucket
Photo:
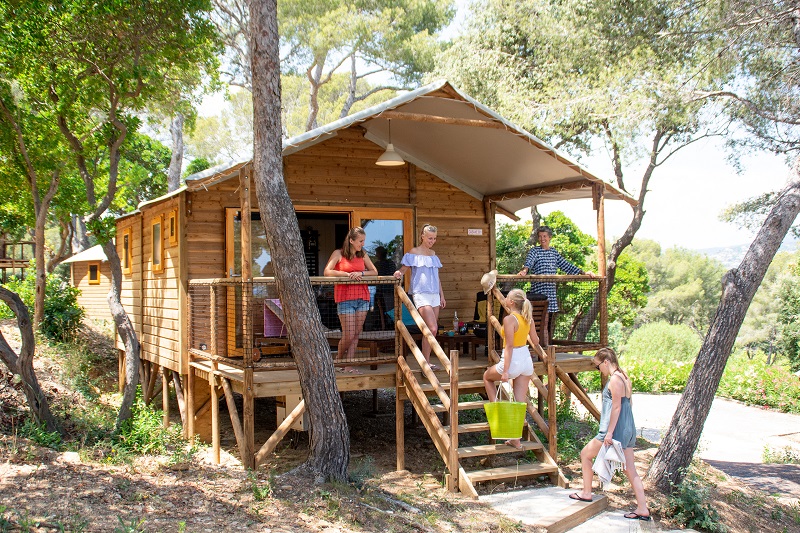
(505, 419)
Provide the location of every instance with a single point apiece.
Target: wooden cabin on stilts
(198, 277)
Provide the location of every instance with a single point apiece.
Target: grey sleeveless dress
(625, 430)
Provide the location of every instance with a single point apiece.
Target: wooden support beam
(203, 409)
(448, 121)
(399, 402)
(584, 394)
(452, 458)
(176, 380)
(279, 433)
(537, 191)
(552, 389)
(214, 401)
(248, 420)
(234, 414)
(190, 433)
(506, 212)
(165, 396)
(151, 383)
(580, 394)
(599, 203)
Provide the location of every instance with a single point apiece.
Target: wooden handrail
(420, 401)
(426, 368)
(423, 327)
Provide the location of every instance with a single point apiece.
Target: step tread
(470, 428)
(493, 449)
(511, 472)
(462, 406)
(464, 385)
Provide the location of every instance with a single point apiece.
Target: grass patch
(785, 456)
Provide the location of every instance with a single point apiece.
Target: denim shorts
(350, 307)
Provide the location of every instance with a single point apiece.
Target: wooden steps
(465, 387)
(573, 515)
(469, 428)
(504, 473)
(494, 449)
(462, 406)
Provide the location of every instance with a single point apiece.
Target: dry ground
(70, 491)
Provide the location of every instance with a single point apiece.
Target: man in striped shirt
(545, 261)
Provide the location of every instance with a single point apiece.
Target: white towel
(609, 460)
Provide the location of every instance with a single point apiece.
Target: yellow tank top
(521, 335)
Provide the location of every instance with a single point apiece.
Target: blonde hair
(521, 303)
(427, 228)
(347, 247)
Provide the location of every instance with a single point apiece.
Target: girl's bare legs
(352, 324)
(636, 483)
(520, 395)
(489, 378)
(588, 453)
(431, 317)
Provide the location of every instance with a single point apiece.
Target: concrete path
(733, 440)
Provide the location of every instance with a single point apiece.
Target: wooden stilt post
(165, 396)
(452, 456)
(399, 402)
(248, 458)
(190, 433)
(214, 414)
(602, 268)
(552, 390)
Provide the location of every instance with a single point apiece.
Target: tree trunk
(176, 162)
(40, 267)
(330, 440)
(22, 365)
(125, 331)
(80, 241)
(738, 287)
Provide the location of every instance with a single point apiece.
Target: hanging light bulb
(390, 158)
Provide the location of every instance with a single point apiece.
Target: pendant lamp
(390, 158)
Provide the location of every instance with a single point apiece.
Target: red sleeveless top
(343, 293)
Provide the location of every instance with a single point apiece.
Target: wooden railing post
(552, 389)
(452, 479)
(399, 402)
(603, 312)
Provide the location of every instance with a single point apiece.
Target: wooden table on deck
(468, 342)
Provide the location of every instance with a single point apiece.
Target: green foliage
(363, 470)
(573, 244)
(132, 525)
(685, 285)
(630, 291)
(144, 166)
(754, 382)
(688, 506)
(789, 315)
(196, 165)
(512, 246)
(658, 357)
(144, 434)
(260, 492)
(786, 456)
(62, 314)
(39, 434)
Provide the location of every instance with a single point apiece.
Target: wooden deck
(273, 383)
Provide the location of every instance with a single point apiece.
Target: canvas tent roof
(450, 135)
(95, 253)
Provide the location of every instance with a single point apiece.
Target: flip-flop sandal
(635, 516)
(576, 496)
(435, 368)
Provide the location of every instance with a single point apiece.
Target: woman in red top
(352, 301)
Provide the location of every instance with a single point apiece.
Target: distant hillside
(731, 256)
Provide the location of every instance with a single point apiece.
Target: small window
(127, 250)
(172, 227)
(94, 273)
(158, 244)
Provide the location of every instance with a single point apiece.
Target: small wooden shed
(90, 272)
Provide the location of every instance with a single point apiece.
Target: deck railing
(235, 321)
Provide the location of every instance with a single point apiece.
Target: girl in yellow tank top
(516, 363)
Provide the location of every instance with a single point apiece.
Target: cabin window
(94, 273)
(172, 227)
(127, 250)
(157, 260)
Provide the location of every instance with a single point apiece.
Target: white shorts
(521, 363)
(425, 298)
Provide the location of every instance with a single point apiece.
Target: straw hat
(488, 280)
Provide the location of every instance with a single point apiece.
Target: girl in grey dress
(616, 422)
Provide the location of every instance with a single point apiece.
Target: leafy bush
(785, 456)
(62, 314)
(39, 434)
(754, 382)
(144, 434)
(663, 341)
(689, 507)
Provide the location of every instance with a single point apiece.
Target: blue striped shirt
(542, 262)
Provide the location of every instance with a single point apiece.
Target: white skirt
(424, 298)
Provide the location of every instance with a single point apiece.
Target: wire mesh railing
(575, 308)
(241, 321)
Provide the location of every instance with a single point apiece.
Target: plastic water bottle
(455, 321)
